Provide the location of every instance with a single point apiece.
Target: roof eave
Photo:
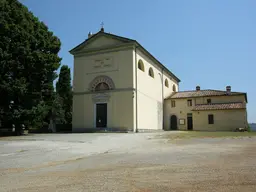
(73, 51)
(171, 97)
(150, 55)
(216, 109)
(245, 95)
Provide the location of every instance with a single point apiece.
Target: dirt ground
(126, 162)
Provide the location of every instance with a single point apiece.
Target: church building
(119, 85)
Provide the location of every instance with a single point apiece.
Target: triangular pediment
(102, 41)
(99, 41)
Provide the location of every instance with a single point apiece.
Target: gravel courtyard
(126, 162)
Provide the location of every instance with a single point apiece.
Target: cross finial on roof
(102, 27)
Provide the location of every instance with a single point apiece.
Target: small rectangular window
(173, 104)
(189, 102)
(209, 101)
(210, 119)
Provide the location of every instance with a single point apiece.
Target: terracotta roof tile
(219, 106)
(202, 93)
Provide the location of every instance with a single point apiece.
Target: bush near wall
(63, 127)
(41, 129)
(249, 128)
(45, 128)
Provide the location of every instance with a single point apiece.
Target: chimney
(198, 88)
(89, 34)
(228, 89)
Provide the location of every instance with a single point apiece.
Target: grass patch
(22, 150)
(202, 134)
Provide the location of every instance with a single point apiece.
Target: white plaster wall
(119, 111)
(171, 82)
(150, 93)
(224, 120)
(121, 71)
(181, 110)
(120, 105)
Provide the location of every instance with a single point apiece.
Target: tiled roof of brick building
(203, 93)
(219, 106)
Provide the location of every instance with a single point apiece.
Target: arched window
(141, 65)
(102, 86)
(166, 83)
(174, 88)
(151, 72)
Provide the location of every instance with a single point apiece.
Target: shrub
(249, 128)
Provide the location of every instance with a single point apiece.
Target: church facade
(119, 85)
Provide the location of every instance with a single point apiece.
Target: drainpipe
(136, 86)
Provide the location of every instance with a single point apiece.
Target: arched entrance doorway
(100, 87)
(173, 123)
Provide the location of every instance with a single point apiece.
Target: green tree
(64, 90)
(29, 61)
(58, 113)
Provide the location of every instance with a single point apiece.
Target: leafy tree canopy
(29, 60)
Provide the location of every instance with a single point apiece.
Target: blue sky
(211, 43)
